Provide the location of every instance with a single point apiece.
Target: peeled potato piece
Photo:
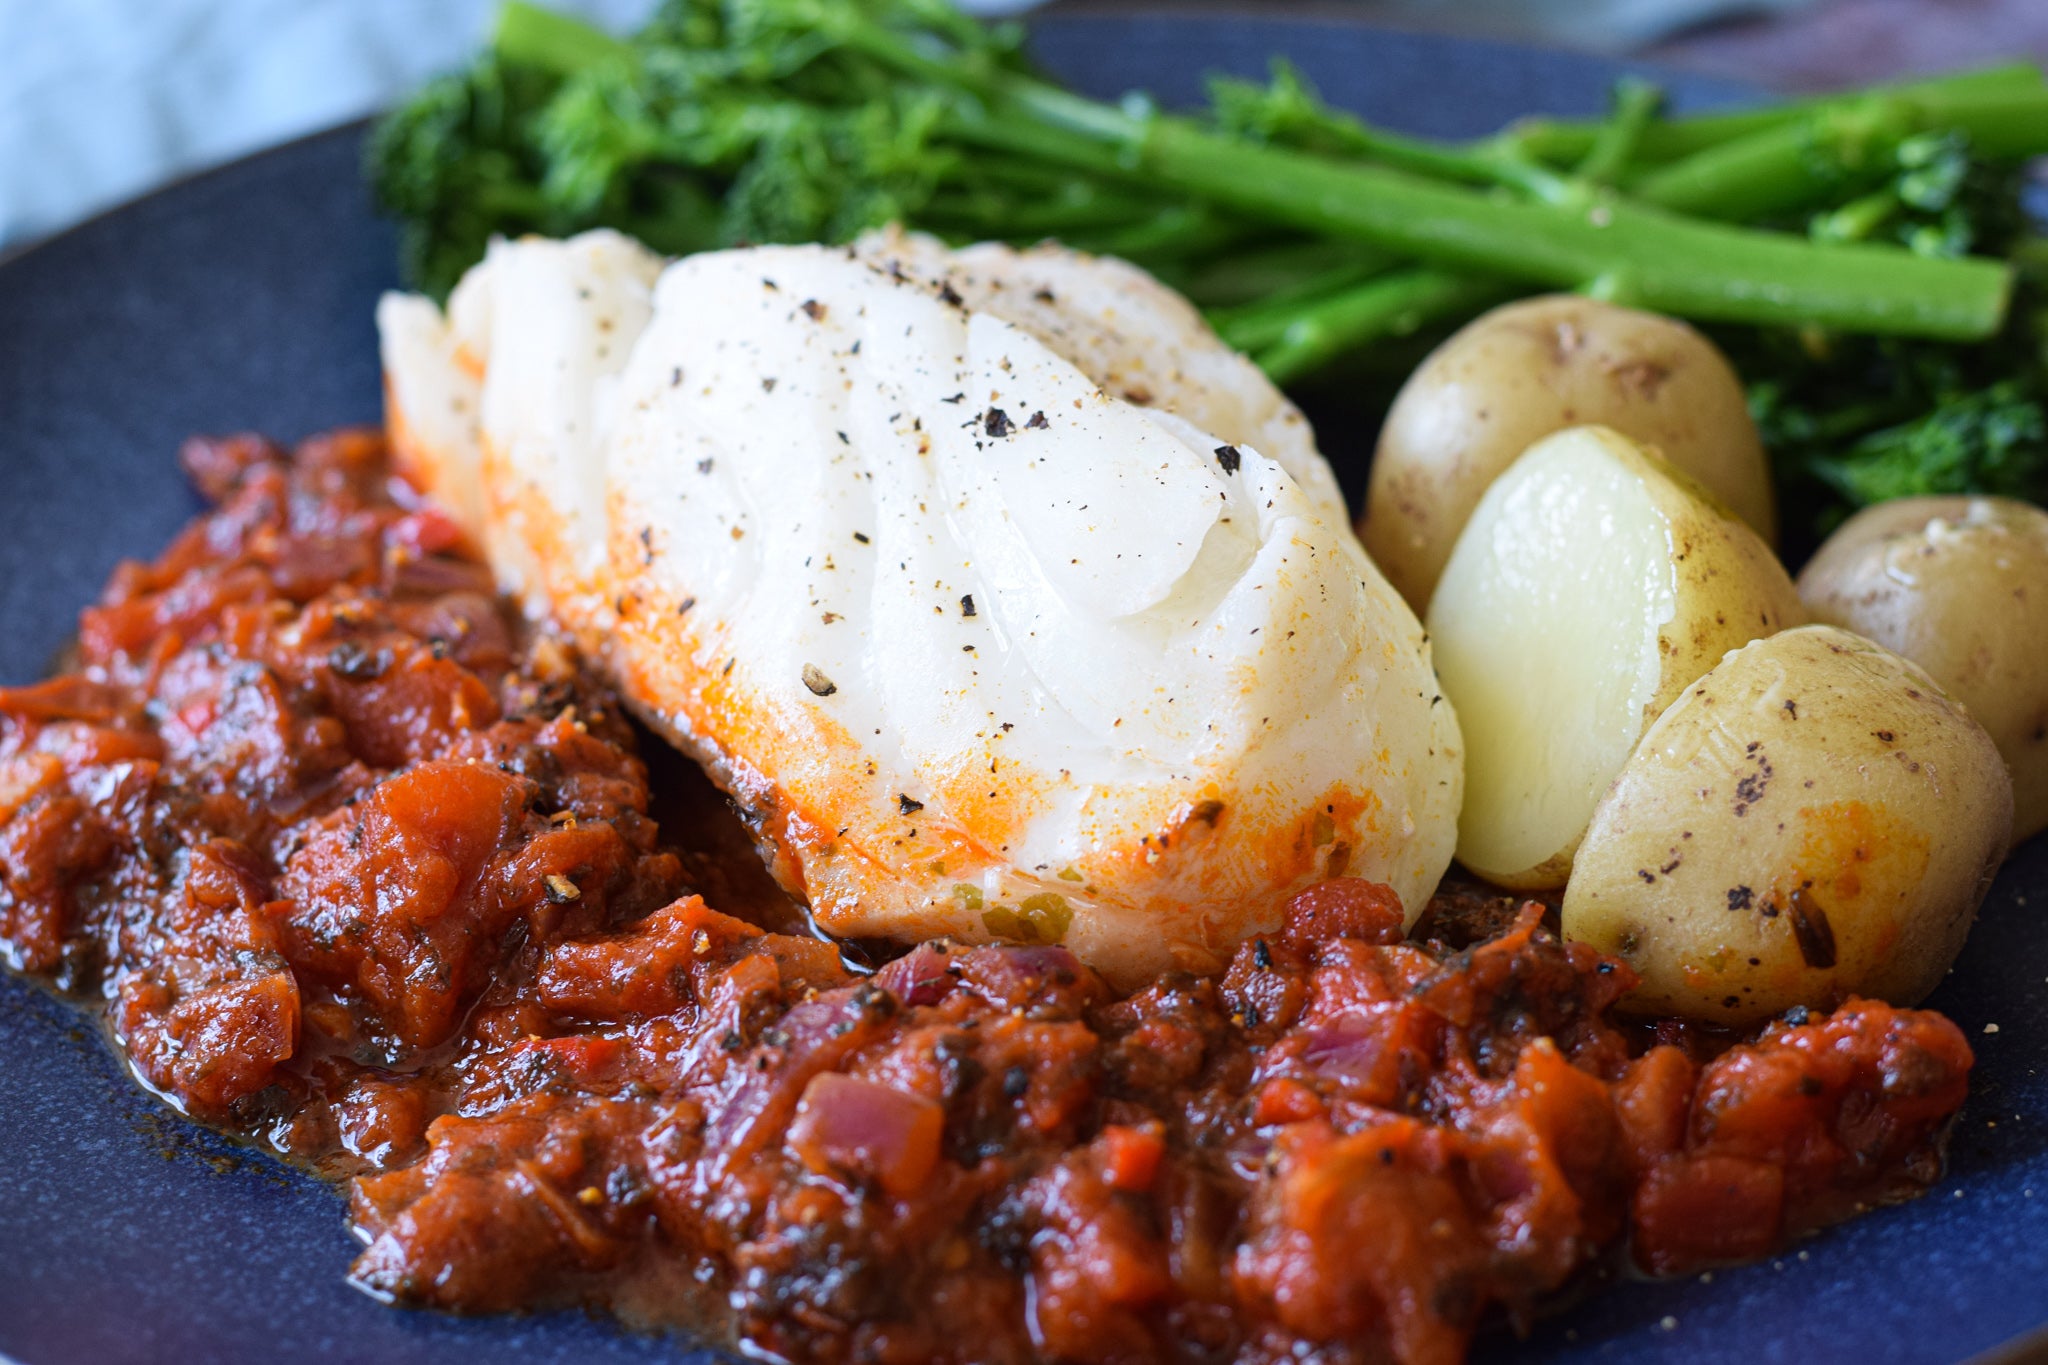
(1959, 586)
(1593, 583)
(1525, 370)
(1813, 819)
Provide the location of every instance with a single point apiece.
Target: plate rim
(2026, 1348)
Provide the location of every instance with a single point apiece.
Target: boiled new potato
(1525, 370)
(1813, 819)
(1593, 583)
(1959, 586)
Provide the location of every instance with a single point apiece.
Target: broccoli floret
(457, 165)
(1994, 440)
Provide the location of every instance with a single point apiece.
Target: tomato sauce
(364, 869)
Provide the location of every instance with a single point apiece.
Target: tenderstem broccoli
(1883, 218)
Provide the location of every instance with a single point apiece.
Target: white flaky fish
(1006, 599)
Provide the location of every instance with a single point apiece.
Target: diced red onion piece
(848, 1125)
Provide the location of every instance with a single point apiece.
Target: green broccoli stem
(1479, 165)
(1260, 274)
(1563, 142)
(996, 215)
(532, 36)
(2002, 125)
(1856, 220)
(1425, 158)
(1393, 305)
(1031, 178)
(1256, 325)
(1614, 248)
(1793, 165)
(1175, 233)
(1636, 102)
(1783, 167)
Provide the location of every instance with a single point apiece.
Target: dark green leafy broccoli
(457, 165)
(1855, 420)
(1990, 441)
(721, 123)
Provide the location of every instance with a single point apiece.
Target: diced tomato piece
(1130, 1156)
(1701, 1210)
(1344, 907)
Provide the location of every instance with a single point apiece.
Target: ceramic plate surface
(242, 301)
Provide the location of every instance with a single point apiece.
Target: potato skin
(1813, 819)
(1958, 585)
(1724, 585)
(1525, 370)
(1732, 589)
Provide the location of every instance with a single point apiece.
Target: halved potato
(1813, 819)
(1592, 584)
(1959, 586)
(1523, 371)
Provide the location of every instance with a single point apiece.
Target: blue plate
(241, 300)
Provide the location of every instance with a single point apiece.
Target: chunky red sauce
(366, 872)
